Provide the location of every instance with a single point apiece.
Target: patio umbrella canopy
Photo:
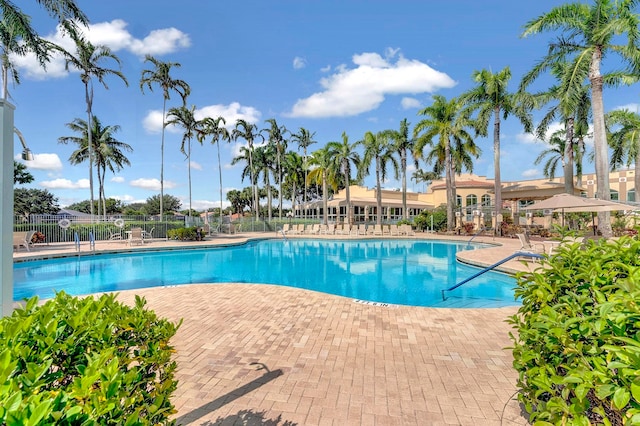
(575, 203)
(567, 203)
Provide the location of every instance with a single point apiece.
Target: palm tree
(445, 130)
(249, 132)
(490, 98)
(263, 162)
(184, 117)
(625, 141)
(160, 75)
(322, 174)
(276, 138)
(19, 37)
(250, 171)
(425, 176)
(294, 173)
(211, 127)
(344, 154)
(572, 105)
(588, 33)
(555, 154)
(378, 149)
(304, 138)
(87, 60)
(107, 151)
(402, 144)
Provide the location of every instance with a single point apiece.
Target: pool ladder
(489, 268)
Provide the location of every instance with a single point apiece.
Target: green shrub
(85, 361)
(439, 214)
(577, 347)
(183, 234)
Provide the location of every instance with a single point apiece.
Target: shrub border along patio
(86, 361)
(577, 346)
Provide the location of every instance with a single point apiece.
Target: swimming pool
(399, 272)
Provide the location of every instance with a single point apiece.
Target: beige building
(475, 197)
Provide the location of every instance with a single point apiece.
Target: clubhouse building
(475, 197)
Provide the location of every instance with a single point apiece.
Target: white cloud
(151, 184)
(349, 92)
(126, 199)
(409, 103)
(43, 162)
(299, 63)
(65, 184)
(152, 122)
(231, 113)
(326, 69)
(195, 166)
(117, 179)
(630, 107)
(160, 42)
(113, 34)
(530, 173)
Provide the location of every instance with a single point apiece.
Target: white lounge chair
(148, 235)
(528, 246)
(22, 239)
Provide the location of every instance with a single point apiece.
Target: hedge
(86, 361)
(577, 346)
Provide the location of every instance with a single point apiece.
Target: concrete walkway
(262, 354)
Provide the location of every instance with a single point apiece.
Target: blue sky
(331, 67)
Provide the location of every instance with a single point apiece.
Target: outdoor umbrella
(571, 203)
(568, 201)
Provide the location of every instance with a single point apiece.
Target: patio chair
(355, 230)
(22, 239)
(116, 235)
(323, 229)
(377, 230)
(149, 235)
(135, 236)
(362, 229)
(528, 246)
(386, 230)
(331, 229)
(394, 230)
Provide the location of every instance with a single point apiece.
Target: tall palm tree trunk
(89, 100)
(280, 183)
(451, 196)
(269, 196)
(600, 142)
(220, 178)
(496, 165)
(403, 165)
(325, 199)
(189, 168)
(253, 183)
(378, 193)
(164, 107)
(347, 190)
(567, 164)
(304, 197)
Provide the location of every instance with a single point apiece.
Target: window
(472, 200)
(614, 195)
(486, 200)
(631, 195)
(458, 200)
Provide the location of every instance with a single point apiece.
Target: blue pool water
(404, 272)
